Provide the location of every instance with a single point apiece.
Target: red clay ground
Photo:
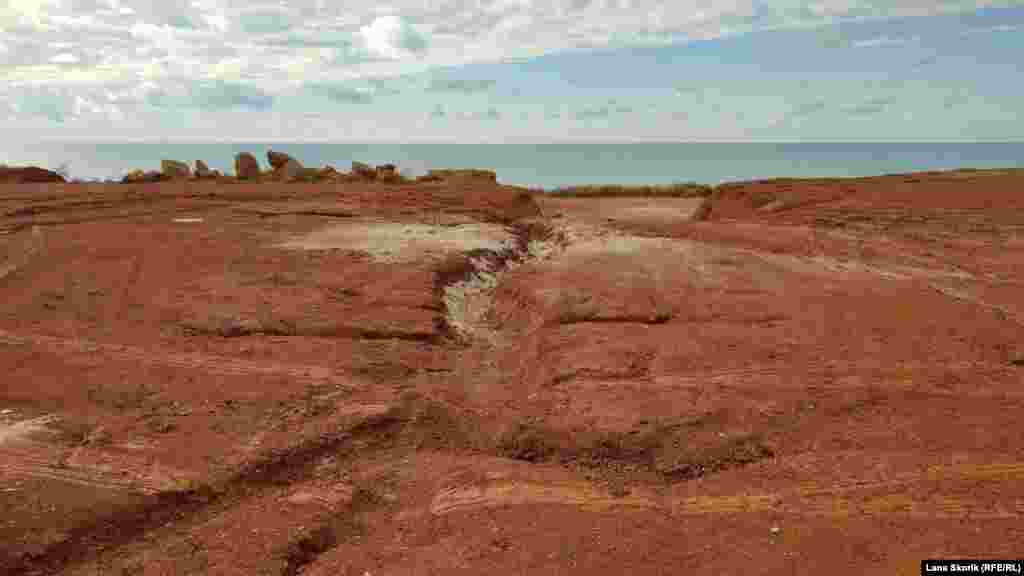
(457, 378)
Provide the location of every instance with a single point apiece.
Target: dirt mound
(27, 175)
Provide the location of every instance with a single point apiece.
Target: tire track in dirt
(1002, 312)
(67, 348)
(809, 499)
(27, 467)
(25, 453)
(168, 512)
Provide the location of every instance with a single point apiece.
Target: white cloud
(64, 58)
(225, 54)
(391, 37)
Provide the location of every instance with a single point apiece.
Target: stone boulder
(27, 174)
(363, 171)
(290, 171)
(277, 159)
(388, 173)
(138, 176)
(246, 167)
(174, 170)
(203, 171)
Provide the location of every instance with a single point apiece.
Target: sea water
(550, 165)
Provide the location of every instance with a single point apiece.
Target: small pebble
(775, 530)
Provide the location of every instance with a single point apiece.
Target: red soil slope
(27, 174)
(818, 375)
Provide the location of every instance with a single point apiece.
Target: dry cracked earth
(791, 376)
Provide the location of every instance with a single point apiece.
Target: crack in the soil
(336, 530)
(308, 548)
(652, 320)
(474, 274)
(660, 452)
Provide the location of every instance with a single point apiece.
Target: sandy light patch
(26, 429)
(398, 242)
(661, 257)
(657, 209)
(504, 493)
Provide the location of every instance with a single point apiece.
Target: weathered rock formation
(137, 176)
(246, 167)
(290, 171)
(363, 171)
(175, 170)
(27, 174)
(388, 173)
(203, 171)
(277, 159)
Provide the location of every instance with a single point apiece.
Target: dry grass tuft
(660, 450)
(677, 190)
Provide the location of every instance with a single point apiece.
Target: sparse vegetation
(662, 449)
(677, 190)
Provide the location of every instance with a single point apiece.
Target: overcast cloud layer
(469, 69)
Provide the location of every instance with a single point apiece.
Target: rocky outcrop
(388, 173)
(27, 174)
(175, 170)
(277, 159)
(203, 171)
(290, 171)
(139, 176)
(363, 171)
(246, 167)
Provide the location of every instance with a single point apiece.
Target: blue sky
(513, 70)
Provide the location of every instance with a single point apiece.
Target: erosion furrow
(465, 287)
(168, 511)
